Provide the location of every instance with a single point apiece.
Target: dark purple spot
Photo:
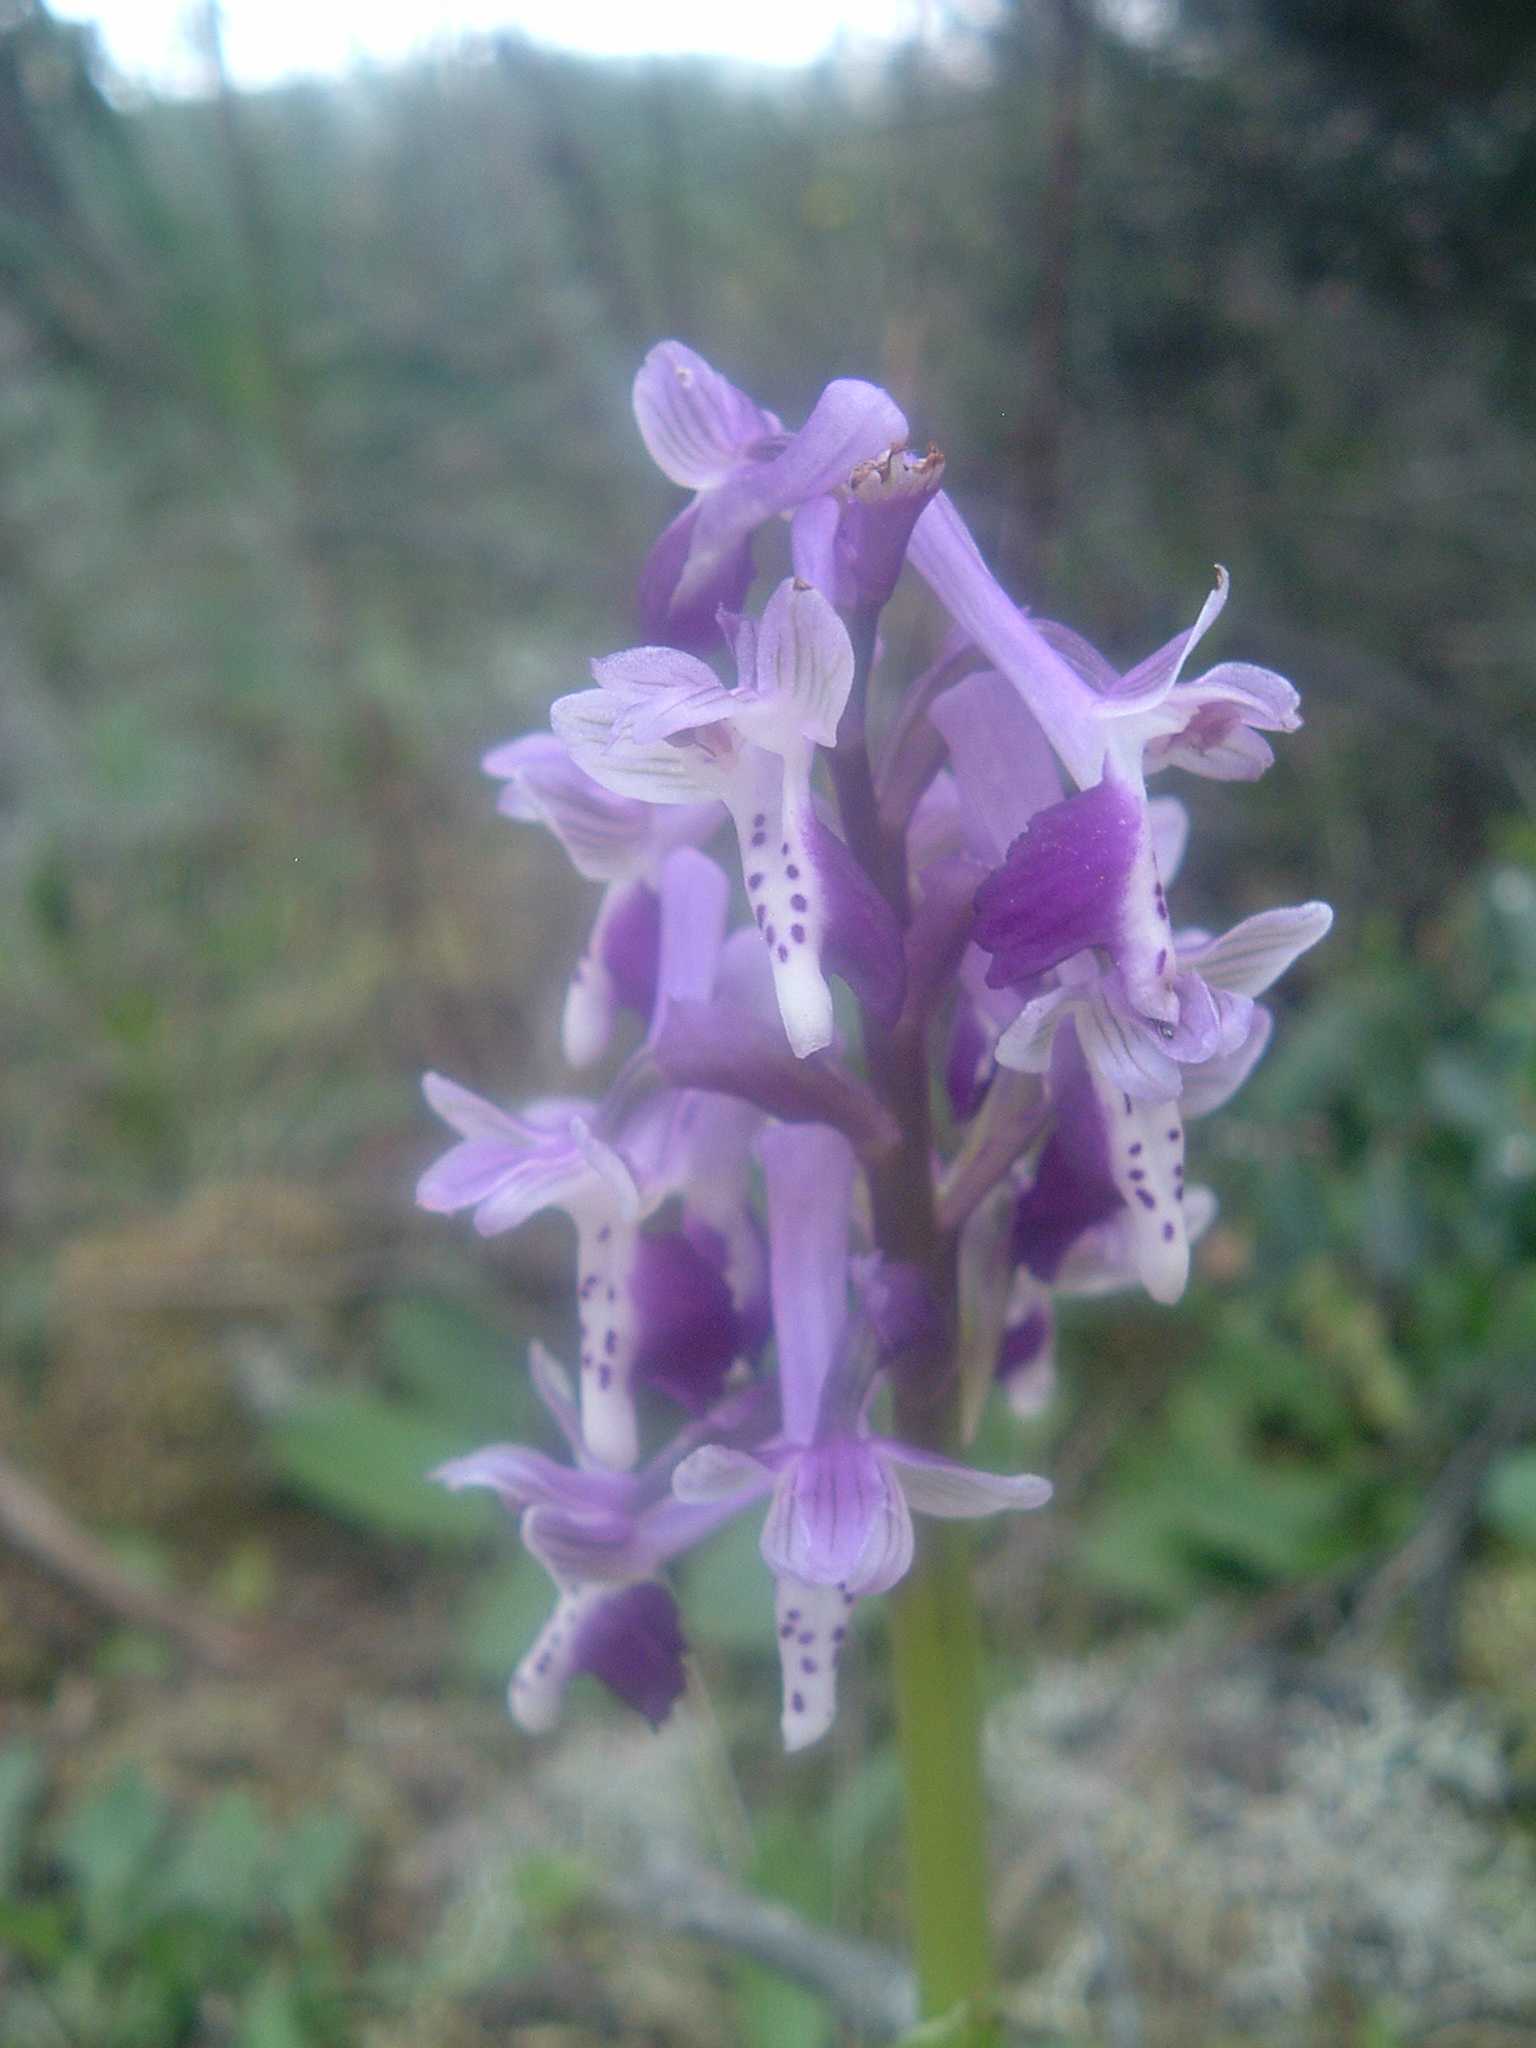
(787, 1630)
(797, 933)
(1135, 1148)
(605, 1377)
(1162, 962)
(1147, 1201)
(808, 1666)
(807, 1636)
(759, 821)
(1178, 1194)
(791, 1614)
(762, 915)
(543, 1663)
(1167, 1233)
(1127, 1101)
(838, 1633)
(797, 1703)
(759, 838)
(798, 903)
(1173, 1137)
(605, 1233)
(611, 1342)
(792, 872)
(785, 847)
(613, 1294)
(1138, 1173)
(754, 881)
(783, 952)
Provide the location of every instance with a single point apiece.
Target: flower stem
(934, 1658)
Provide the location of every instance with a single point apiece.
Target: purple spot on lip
(605, 1377)
(1162, 961)
(754, 881)
(787, 1630)
(759, 821)
(797, 903)
(759, 838)
(791, 1614)
(797, 1703)
(809, 1636)
(792, 872)
(838, 1633)
(1138, 1173)
(769, 933)
(762, 915)
(1173, 1137)
(797, 933)
(1135, 1148)
(1168, 1233)
(1147, 1201)
(783, 952)
(605, 1233)
(1127, 1101)
(808, 1666)
(785, 847)
(611, 1342)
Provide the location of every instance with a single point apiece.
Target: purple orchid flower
(1144, 1076)
(744, 470)
(839, 1523)
(1084, 873)
(609, 1166)
(604, 1537)
(660, 727)
(613, 840)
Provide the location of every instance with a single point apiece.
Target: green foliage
(125, 1917)
(1385, 1161)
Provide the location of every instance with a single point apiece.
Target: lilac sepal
(1003, 766)
(507, 1168)
(862, 943)
(809, 1173)
(745, 473)
(626, 940)
(660, 727)
(1254, 954)
(696, 426)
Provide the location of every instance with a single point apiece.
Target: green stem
(934, 1638)
(934, 1646)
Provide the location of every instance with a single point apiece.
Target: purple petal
(1064, 884)
(556, 1179)
(862, 940)
(804, 661)
(631, 940)
(953, 1492)
(838, 1518)
(634, 1643)
(695, 896)
(1215, 744)
(687, 1333)
(716, 1473)
(968, 1058)
(471, 1115)
(944, 554)
(1072, 1189)
(1002, 763)
(591, 723)
(1151, 680)
(468, 1173)
(696, 425)
(813, 552)
(517, 1475)
(662, 692)
(809, 1172)
(1081, 656)
(687, 616)
(604, 835)
(724, 1049)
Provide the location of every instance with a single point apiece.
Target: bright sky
(270, 39)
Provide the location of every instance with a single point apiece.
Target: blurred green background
(317, 477)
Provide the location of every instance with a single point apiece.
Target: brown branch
(41, 1529)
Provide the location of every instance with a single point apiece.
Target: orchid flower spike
(660, 727)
